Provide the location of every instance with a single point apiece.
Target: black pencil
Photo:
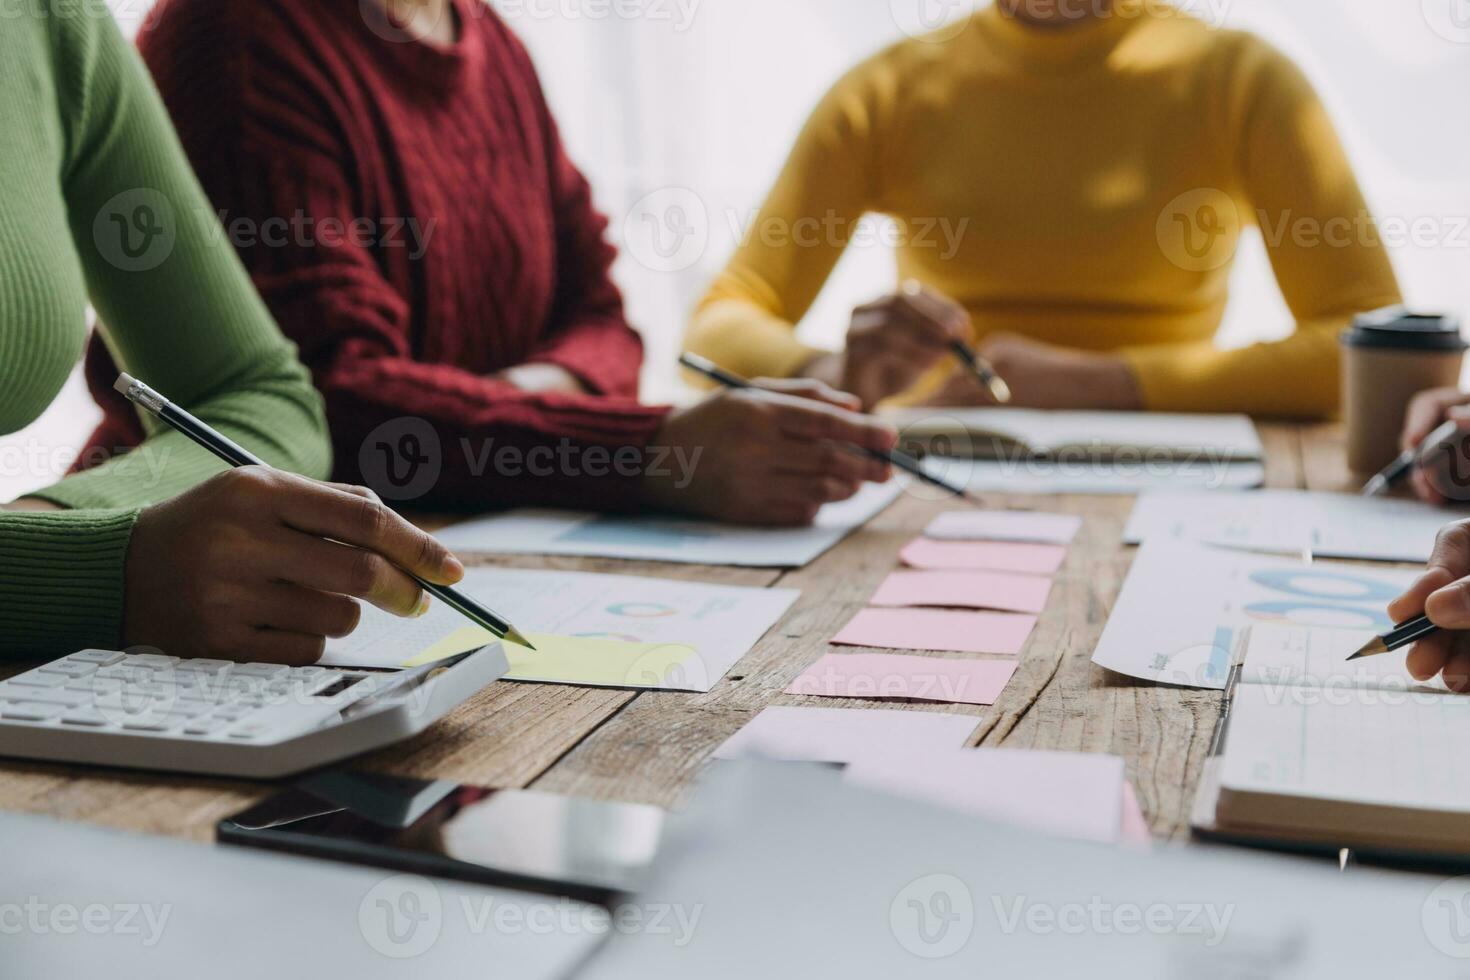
(899, 460)
(1398, 638)
(982, 370)
(233, 453)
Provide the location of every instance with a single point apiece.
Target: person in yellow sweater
(1069, 183)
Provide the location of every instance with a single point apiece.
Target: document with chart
(674, 539)
(589, 629)
(1180, 614)
(1329, 525)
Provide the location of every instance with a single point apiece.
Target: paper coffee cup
(1389, 356)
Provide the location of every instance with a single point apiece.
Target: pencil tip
(514, 636)
(1372, 649)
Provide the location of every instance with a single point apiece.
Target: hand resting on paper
(1443, 593)
(769, 457)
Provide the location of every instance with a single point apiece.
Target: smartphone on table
(588, 850)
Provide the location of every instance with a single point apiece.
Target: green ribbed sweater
(97, 201)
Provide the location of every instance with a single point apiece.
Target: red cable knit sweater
(409, 215)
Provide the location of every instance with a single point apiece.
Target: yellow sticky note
(460, 641)
(591, 661)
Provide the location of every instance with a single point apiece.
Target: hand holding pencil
(1442, 596)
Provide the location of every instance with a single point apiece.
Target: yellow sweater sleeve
(747, 321)
(1297, 184)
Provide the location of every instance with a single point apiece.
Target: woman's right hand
(241, 568)
(892, 343)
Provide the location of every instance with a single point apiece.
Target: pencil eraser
(123, 383)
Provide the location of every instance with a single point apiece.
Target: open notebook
(1315, 751)
(988, 433)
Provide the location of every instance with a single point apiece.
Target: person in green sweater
(161, 548)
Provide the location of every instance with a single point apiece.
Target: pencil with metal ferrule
(231, 452)
(1407, 460)
(898, 460)
(983, 371)
(1397, 638)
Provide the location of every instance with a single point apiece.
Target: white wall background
(681, 111)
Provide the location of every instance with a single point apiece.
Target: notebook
(990, 433)
(1315, 751)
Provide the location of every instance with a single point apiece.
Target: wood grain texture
(649, 747)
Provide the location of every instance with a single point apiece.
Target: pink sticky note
(1135, 825)
(965, 590)
(938, 629)
(1000, 556)
(888, 675)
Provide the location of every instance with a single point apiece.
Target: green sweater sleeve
(180, 311)
(181, 314)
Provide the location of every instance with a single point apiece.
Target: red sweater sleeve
(261, 121)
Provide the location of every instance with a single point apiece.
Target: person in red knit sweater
(392, 177)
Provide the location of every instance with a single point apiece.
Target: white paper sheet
(722, 622)
(971, 431)
(1332, 525)
(1178, 618)
(1278, 656)
(554, 532)
(1004, 525)
(1099, 477)
(1071, 794)
(845, 735)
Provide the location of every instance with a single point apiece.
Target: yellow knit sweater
(1085, 187)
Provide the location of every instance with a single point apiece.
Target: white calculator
(148, 711)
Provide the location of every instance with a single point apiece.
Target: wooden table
(646, 747)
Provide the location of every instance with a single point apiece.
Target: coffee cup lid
(1395, 328)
